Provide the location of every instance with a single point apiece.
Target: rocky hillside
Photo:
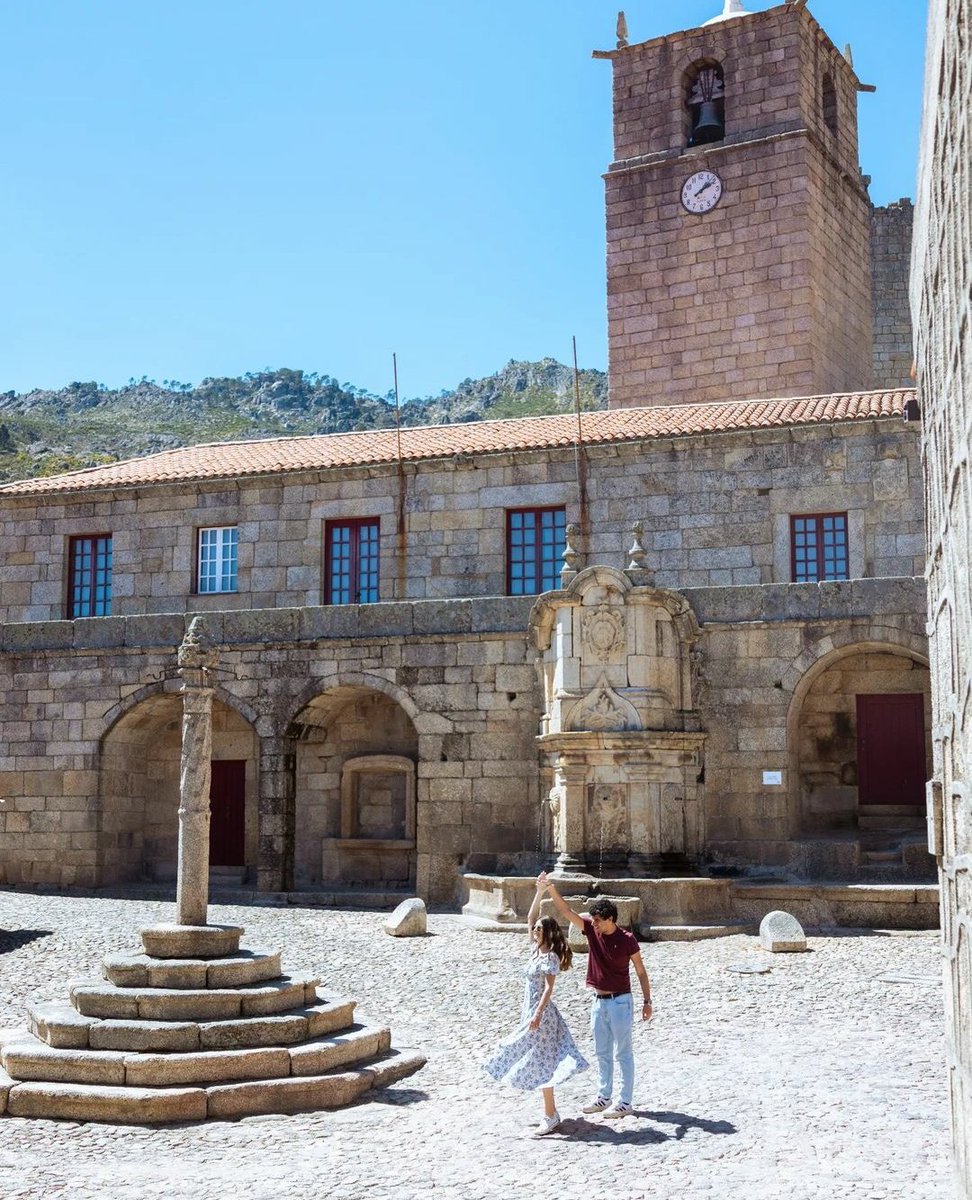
(46, 432)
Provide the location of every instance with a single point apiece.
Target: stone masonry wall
(715, 508)
(942, 312)
(891, 230)
(459, 679)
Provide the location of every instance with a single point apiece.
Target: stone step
(191, 941)
(63, 1027)
(26, 1059)
(149, 1106)
(694, 933)
(186, 1004)
(310, 1092)
(238, 970)
(98, 1102)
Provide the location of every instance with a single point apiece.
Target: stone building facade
(941, 288)
(668, 638)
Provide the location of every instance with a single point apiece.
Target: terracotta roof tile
(273, 456)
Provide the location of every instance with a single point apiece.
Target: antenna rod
(579, 460)
(400, 531)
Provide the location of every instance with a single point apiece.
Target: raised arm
(535, 906)
(563, 908)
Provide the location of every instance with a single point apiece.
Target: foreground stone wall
(715, 508)
(942, 310)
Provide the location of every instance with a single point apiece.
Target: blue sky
(207, 187)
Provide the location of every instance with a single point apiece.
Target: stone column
(277, 814)
(196, 663)
(570, 786)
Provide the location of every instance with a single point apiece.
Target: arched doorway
(139, 792)
(860, 746)
(357, 750)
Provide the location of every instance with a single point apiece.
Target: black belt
(610, 995)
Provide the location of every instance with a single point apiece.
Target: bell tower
(738, 221)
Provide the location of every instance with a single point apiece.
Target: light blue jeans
(611, 1024)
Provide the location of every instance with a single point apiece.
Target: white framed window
(217, 559)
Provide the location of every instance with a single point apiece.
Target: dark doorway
(227, 803)
(891, 749)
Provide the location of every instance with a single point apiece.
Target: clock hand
(704, 187)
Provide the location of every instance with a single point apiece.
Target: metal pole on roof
(580, 460)
(400, 531)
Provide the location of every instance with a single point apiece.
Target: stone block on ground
(254, 1031)
(780, 932)
(408, 920)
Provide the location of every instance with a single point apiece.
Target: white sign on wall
(772, 778)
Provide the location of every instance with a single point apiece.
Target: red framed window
(89, 576)
(351, 561)
(534, 545)
(818, 547)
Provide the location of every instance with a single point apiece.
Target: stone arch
(356, 747)
(821, 723)
(139, 757)
(704, 101)
(424, 722)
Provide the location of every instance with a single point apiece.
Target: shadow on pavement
(398, 1096)
(624, 1132)
(13, 939)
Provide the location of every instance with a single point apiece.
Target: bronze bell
(710, 126)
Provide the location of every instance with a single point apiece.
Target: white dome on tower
(732, 8)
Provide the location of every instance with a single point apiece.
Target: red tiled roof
(222, 460)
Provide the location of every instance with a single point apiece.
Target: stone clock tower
(737, 217)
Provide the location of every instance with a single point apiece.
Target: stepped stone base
(188, 1031)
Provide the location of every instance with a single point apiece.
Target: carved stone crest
(603, 711)
(602, 632)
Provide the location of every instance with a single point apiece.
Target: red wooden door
(227, 793)
(891, 749)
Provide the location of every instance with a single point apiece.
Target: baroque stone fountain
(622, 748)
(194, 1026)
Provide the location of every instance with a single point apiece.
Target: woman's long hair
(554, 941)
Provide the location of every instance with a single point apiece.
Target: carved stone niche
(377, 842)
(378, 797)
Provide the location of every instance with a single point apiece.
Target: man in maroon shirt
(611, 949)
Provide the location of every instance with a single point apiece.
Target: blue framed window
(217, 559)
(351, 550)
(89, 576)
(534, 545)
(818, 546)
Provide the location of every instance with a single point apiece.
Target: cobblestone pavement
(816, 1081)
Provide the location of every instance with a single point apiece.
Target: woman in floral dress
(541, 1051)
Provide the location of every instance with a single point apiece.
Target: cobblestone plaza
(819, 1079)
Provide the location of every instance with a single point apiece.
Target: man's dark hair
(604, 909)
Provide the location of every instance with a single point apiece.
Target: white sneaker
(619, 1109)
(548, 1124)
(598, 1104)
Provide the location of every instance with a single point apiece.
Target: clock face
(701, 191)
